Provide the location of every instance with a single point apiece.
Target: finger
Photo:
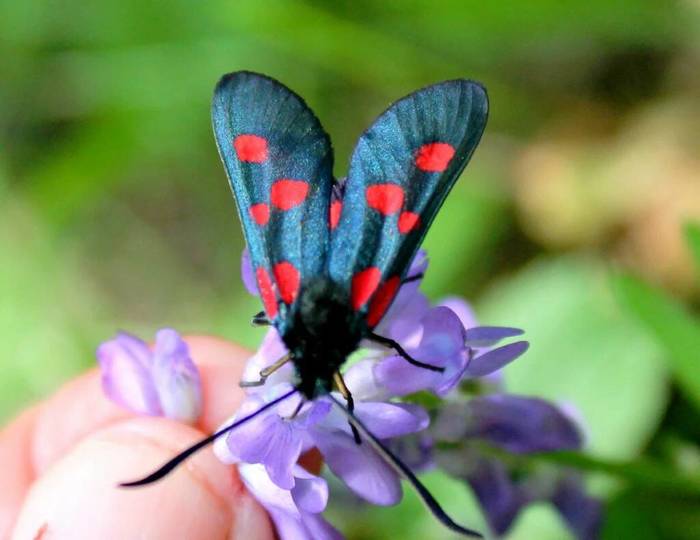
(18, 471)
(221, 366)
(78, 498)
(80, 407)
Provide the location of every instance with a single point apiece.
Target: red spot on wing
(287, 278)
(387, 199)
(334, 218)
(250, 148)
(267, 291)
(364, 284)
(408, 221)
(260, 213)
(434, 157)
(382, 299)
(286, 193)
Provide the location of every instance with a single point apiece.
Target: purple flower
(276, 439)
(441, 344)
(296, 513)
(159, 382)
(583, 513)
(518, 425)
(440, 338)
(268, 439)
(268, 447)
(514, 423)
(415, 450)
(500, 498)
(360, 468)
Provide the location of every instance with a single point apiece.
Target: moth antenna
(182, 456)
(404, 471)
(414, 277)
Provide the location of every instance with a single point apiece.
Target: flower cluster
(267, 448)
(159, 382)
(468, 435)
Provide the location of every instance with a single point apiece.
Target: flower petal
(359, 466)
(404, 325)
(415, 450)
(442, 345)
(176, 377)
(317, 528)
(583, 514)
(402, 319)
(310, 493)
(401, 378)
(443, 336)
(291, 522)
(126, 374)
(386, 420)
(248, 274)
(487, 336)
(362, 382)
(267, 439)
(271, 349)
(495, 359)
(460, 308)
(515, 423)
(498, 496)
(285, 444)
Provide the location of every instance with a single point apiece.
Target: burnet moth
(330, 255)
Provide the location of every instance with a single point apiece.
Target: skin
(62, 459)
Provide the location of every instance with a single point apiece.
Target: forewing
(279, 162)
(401, 170)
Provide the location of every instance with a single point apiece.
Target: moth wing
(401, 170)
(279, 163)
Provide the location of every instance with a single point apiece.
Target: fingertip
(74, 411)
(221, 364)
(78, 496)
(207, 350)
(81, 407)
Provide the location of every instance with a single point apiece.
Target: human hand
(63, 458)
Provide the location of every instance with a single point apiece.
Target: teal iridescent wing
(279, 162)
(402, 169)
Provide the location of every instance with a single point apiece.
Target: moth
(330, 255)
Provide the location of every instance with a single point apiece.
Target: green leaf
(675, 329)
(692, 237)
(625, 519)
(636, 514)
(584, 351)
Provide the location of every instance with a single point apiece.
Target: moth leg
(388, 342)
(345, 392)
(297, 409)
(414, 277)
(260, 319)
(265, 373)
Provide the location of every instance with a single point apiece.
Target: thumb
(78, 496)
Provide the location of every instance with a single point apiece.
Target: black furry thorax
(322, 335)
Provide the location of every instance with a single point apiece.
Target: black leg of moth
(415, 277)
(297, 409)
(345, 392)
(265, 373)
(388, 342)
(402, 469)
(182, 456)
(260, 319)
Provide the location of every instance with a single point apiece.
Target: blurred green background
(577, 219)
